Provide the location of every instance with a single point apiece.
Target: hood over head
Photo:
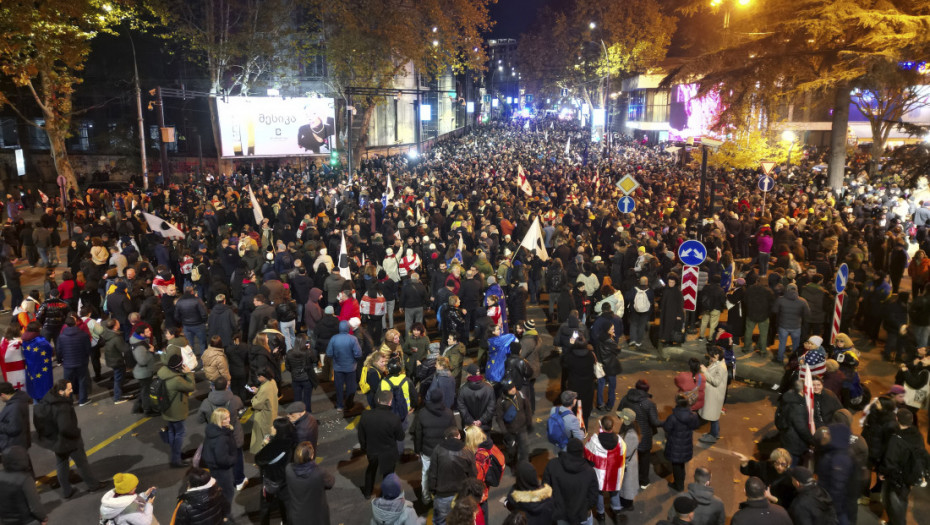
(343, 327)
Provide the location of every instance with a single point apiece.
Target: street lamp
(790, 137)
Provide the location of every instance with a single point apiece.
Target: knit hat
(472, 369)
(329, 310)
(139, 328)
(815, 340)
(527, 479)
(643, 385)
(685, 505)
(354, 323)
(529, 324)
(627, 416)
(125, 483)
(575, 447)
(801, 474)
(174, 362)
(390, 487)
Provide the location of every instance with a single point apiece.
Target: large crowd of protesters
(419, 288)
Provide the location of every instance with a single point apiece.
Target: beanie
(390, 487)
(125, 483)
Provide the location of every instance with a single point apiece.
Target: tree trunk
(221, 166)
(878, 146)
(56, 139)
(362, 141)
(837, 159)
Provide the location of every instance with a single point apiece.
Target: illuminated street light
(500, 68)
(435, 43)
(592, 25)
(435, 29)
(789, 136)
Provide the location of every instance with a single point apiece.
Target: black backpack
(782, 421)
(43, 418)
(159, 397)
(399, 402)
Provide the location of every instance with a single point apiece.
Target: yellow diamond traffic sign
(627, 184)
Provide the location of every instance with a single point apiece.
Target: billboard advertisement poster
(276, 127)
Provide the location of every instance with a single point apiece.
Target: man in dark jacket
(837, 472)
(790, 310)
(514, 418)
(114, 352)
(470, 294)
(476, 400)
(812, 505)
(516, 303)
(758, 303)
(14, 418)
(639, 400)
(19, 500)
(222, 321)
(191, 314)
(450, 464)
(713, 301)
(905, 461)
(52, 315)
(260, 315)
(57, 430)
(820, 302)
(413, 297)
(379, 430)
(574, 484)
(793, 429)
(429, 427)
(74, 350)
(308, 428)
(757, 510)
(710, 510)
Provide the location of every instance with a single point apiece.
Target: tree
(590, 40)
(787, 47)
(44, 46)
(370, 43)
(747, 149)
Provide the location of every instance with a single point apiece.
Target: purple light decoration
(702, 112)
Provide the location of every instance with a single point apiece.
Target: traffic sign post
(627, 184)
(692, 253)
(842, 277)
(768, 166)
(689, 284)
(626, 204)
(766, 183)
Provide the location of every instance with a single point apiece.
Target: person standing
(52, 315)
(57, 429)
(379, 430)
(679, 447)
(144, 354)
(74, 351)
(305, 488)
(790, 311)
(710, 510)
(299, 362)
(578, 371)
(639, 400)
(191, 314)
(215, 364)
(264, 408)
(344, 351)
(574, 485)
(429, 427)
(476, 400)
(220, 453)
(306, 426)
(222, 397)
(514, 418)
(713, 301)
(641, 300)
(413, 297)
(607, 452)
(19, 500)
(757, 509)
(114, 354)
(629, 433)
(715, 392)
(179, 382)
(450, 464)
(759, 300)
(14, 418)
(222, 321)
(812, 504)
(905, 462)
(201, 501)
(791, 420)
(38, 355)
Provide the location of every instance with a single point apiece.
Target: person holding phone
(123, 505)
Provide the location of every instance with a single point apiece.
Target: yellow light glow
(743, 3)
(715, 3)
(789, 136)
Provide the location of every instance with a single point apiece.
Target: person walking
(57, 429)
(379, 430)
(574, 485)
(179, 383)
(679, 448)
(264, 408)
(220, 454)
(715, 392)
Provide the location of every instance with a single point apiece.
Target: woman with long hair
(272, 460)
(260, 357)
(220, 453)
(629, 433)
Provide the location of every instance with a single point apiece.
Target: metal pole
(165, 171)
(416, 116)
(199, 155)
(701, 207)
(141, 122)
(349, 136)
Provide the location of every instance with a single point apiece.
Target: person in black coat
(608, 354)
(476, 400)
(429, 425)
(305, 488)
(574, 484)
(14, 418)
(222, 321)
(19, 500)
(671, 313)
(578, 370)
(812, 505)
(796, 438)
(530, 497)
(300, 363)
(516, 304)
(272, 461)
(237, 356)
(757, 510)
(838, 474)
(379, 430)
(639, 400)
(220, 453)
(201, 500)
(679, 443)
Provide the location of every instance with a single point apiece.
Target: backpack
(43, 418)
(159, 398)
(692, 395)
(492, 477)
(195, 272)
(553, 280)
(129, 359)
(782, 421)
(399, 402)
(641, 301)
(555, 428)
(363, 386)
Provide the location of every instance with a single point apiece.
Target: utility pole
(701, 207)
(165, 171)
(141, 122)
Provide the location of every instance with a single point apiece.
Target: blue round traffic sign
(692, 253)
(626, 204)
(842, 278)
(766, 183)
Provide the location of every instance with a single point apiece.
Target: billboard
(276, 127)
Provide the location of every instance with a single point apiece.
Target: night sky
(513, 17)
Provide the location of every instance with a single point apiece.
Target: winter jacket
(536, 504)
(219, 448)
(237, 357)
(574, 487)
(344, 349)
(126, 509)
(687, 383)
(58, 431)
(450, 464)
(396, 511)
(758, 302)
(837, 472)
(299, 363)
(204, 505)
(145, 360)
(905, 455)
(379, 430)
(312, 310)
(812, 506)
(791, 309)
(215, 364)
(818, 300)
(516, 407)
(710, 510)
(797, 438)
(715, 391)
(308, 429)
(305, 493)
(74, 347)
(429, 425)
(223, 399)
(190, 311)
(476, 402)
(114, 349)
(679, 428)
(445, 383)
(760, 512)
(259, 318)
(52, 315)
(179, 385)
(14, 422)
(223, 322)
(646, 415)
(18, 496)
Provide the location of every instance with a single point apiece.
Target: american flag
(809, 397)
(816, 359)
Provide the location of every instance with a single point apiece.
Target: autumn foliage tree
(370, 43)
(44, 45)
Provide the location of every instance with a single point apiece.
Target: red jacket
(349, 309)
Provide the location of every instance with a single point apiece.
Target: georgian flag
(533, 240)
(12, 363)
(162, 227)
(597, 180)
(388, 194)
(809, 397)
(256, 209)
(344, 260)
(522, 181)
(44, 197)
